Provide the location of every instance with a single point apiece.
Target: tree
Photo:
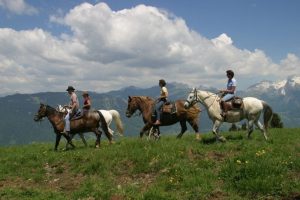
(276, 121)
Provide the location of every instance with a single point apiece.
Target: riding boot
(223, 109)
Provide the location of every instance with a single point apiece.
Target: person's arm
(88, 105)
(230, 90)
(73, 101)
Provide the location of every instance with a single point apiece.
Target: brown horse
(88, 123)
(146, 106)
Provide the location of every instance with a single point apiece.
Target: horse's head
(191, 99)
(132, 106)
(42, 112)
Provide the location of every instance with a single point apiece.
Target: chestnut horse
(90, 122)
(146, 106)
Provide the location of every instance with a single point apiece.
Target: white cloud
(290, 65)
(18, 7)
(113, 49)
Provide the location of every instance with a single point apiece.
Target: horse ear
(129, 98)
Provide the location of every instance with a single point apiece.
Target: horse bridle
(197, 99)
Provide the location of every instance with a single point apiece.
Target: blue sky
(264, 34)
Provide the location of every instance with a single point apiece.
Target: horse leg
(69, 140)
(250, 128)
(144, 129)
(70, 136)
(261, 128)
(98, 134)
(109, 136)
(216, 127)
(58, 136)
(111, 132)
(183, 128)
(83, 139)
(195, 126)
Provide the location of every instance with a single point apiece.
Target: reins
(202, 101)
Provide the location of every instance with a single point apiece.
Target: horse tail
(268, 114)
(104, 125)
(117, 118)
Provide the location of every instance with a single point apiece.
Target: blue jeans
(67, 122)
(227, 97)
(158, 106)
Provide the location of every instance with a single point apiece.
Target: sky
(46, 45)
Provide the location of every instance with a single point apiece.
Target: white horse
(251, 111)
(109, 116)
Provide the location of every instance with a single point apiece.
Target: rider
(87, 104)
(161, 100)
(228, 93)
(74, 105)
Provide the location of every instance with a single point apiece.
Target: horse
(89, 122)
(251, 110)
(109, 116)
(146, 105)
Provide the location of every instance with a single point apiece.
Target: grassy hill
(166, 169)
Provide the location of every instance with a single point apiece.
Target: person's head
(230, 73)
(162, 83)
(70, 89)
(85, 94)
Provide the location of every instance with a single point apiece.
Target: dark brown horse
(88, 123)
(146, 104)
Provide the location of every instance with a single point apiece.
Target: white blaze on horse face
(189, 100)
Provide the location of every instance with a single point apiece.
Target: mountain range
(17, 111)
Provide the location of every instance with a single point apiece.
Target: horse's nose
(186, 105)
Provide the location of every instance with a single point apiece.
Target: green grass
(166, 169)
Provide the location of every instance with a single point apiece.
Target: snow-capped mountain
(280, 87)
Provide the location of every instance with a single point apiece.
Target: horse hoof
(221, 139)
(97, 146)
(112, 142)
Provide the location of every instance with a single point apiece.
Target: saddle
(77, 115)
(169, 107)
(236, 103)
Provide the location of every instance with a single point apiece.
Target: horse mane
(209, 93)
(143, 98)
(51, 109)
